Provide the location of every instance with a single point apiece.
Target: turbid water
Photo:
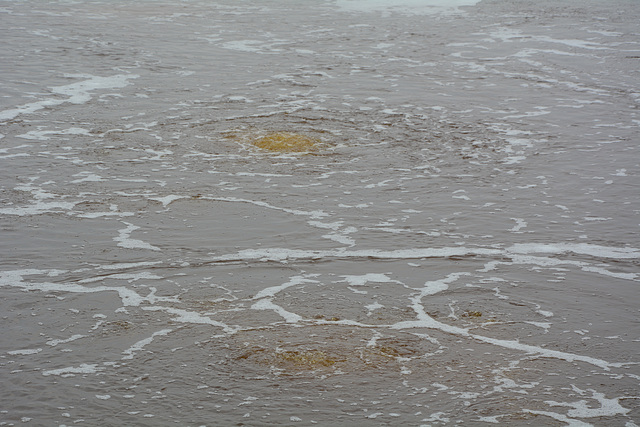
(331, 212)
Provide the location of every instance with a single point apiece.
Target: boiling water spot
(332, 352)
(286, 142)
(312, 358)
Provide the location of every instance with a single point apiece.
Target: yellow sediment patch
(307, 359)
(286, 142)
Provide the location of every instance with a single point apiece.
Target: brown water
(458, 245)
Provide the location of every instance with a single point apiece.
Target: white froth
(361, 280)
(408, 191)
(520, 224)
(283, 254)
(580, 409)
(563, 418)
(43, 135)
(166, 200)
(578, 248)
(129, 277)
(41, 204)
(131, 351)
(54, 343)
(267, 304)
(252, 46)
(423, 320)
(39, 208)
(318, 214)
(125, 241)
(124, 265)
(372, 307)
(273, 290)
(84, 368)
(186, 316)
(77, 93)
(25, 351)
(87, 177)
(15, 279)
(416, 7)
(543, 352)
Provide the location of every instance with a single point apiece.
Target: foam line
(311, 214)
(273, 290)
(78, 93)
(130, 352)
(14, 279)
(578, 248)
(71, 371)
(125, 241)
(282, 254)
(186, 316)
(267, 304)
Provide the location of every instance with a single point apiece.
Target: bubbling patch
(277, 141)
(286, 142)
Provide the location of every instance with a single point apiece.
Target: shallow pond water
(333, 213)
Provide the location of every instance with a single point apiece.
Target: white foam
(361, 280)
(417, 7)
(604, 272)
(25, 351)
(94, 215)
(273, 290)
(312, 214)
(492, 420)
(125, 241)
(543, 352)
(423, 320)
(9, 156)
(372, 307)
(340, 238)
(71, 371)
(39, 208)
(43, 135)
(327, 225)
(54, 343)
(544, 325)
(87, 177)
(255, 46)
(570, 421)
(15, 279)
(166, 200)
(582, 44)
(40, 205)
(78, 93)
(283, 254)
(549, 262)
(520, 224)
(186, 316)
(436, 286)
(267, 304)
(578, 248)
(124, 265)
(130, 352)
(130, 277)
(608, 407)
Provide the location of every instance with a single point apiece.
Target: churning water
(326, 212)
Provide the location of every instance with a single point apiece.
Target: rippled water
(459, 245)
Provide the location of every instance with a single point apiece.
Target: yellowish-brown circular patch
(287, 142)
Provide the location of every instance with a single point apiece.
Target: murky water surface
(335, 213)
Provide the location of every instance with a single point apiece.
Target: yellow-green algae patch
(286, 142)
